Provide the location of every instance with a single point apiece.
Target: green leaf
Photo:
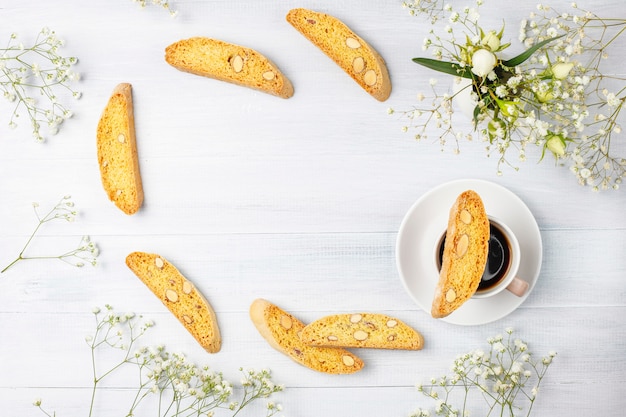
(501, 30)
(445, 67)
(476, 114)
(504, 46)
(513, 62)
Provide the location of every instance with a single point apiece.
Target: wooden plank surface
(298, 201)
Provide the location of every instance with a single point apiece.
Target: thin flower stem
(501, 376)
(63, 210)
(20, 78)
(19, 258)
(20, 255)
(182, 389)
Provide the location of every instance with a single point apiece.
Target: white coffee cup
(502, 265)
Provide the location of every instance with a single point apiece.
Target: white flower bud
(491, 41)
(483, 62)
(556, 145)
(561, 70)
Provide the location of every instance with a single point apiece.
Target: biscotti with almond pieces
(464, 255)
(117, 151)
(282, 331)
(228, 62)
(362, 330)
(348, 50)
(180, 296)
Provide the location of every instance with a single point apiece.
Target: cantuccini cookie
(117, 151)
(282, 331)
(464, 256)
(179, 295)
(348, 50)
(228, 62)
(362, 330)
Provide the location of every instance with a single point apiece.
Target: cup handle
(518, 286)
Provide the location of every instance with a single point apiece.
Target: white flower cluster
(40, 69)
(162, 3)
(182, 388)
(86, 251)
(198, 386)
(553, 96)
(435, 9)
(500, 375)
(579, 107)
(432, 8)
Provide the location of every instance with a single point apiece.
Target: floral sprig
(181, 387)
(554, 95)
(162, 3)
(434, 9)
(506, 376)
(593, 106)
(85, 253)
(34, 78)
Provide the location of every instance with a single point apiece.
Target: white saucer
(424, 224)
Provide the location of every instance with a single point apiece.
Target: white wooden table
(297, 201)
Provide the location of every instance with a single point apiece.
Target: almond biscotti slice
(117, 151)
(180, 296)
(362, 330)
(355, 56)
(464, 254)
(228, 62)
(282, 332)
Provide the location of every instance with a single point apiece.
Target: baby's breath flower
(162, 3)
(37, 68)
(501, 378)
(499, 347)
(86, 251)
(183, 388)
(554, 98)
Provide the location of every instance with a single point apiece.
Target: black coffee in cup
(498, 258)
